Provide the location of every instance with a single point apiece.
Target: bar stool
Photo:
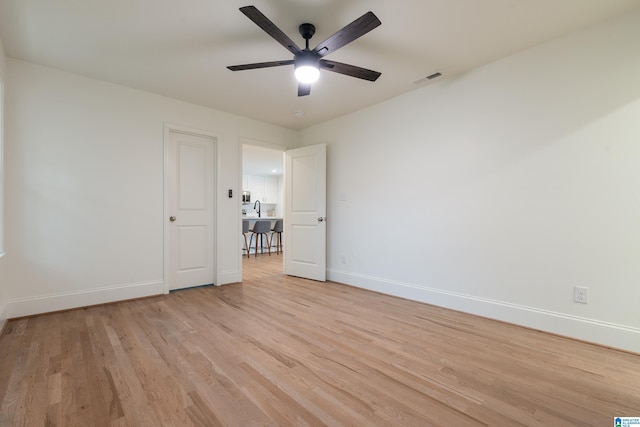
(245, 230)
(277, 229)
(261, 228)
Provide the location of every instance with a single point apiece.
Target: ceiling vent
(428, 78)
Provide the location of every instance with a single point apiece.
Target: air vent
(428, 78)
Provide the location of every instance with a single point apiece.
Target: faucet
(257, 203)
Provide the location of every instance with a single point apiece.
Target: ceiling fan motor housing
(307, 57)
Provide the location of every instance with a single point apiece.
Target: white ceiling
(181, 48)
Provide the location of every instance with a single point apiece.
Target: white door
(191, 177)
(305, 230)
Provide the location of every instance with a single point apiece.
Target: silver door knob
(172, 218)
(320, 219)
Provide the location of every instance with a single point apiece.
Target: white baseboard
(591, 330)
(20, 307)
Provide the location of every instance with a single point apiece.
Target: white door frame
(166, 213)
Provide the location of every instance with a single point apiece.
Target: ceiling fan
(308, 62)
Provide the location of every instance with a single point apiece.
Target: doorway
(302, 193)
(263, 193)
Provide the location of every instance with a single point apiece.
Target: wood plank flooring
(283, 351)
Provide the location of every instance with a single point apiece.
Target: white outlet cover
(581, 294)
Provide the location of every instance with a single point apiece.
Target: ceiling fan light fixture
(307, 73)
(307, 67)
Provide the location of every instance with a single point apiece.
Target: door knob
(172, 218)
(320, 219)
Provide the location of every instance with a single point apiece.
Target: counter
(264, 218)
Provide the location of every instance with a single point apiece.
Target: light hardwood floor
(281, 351)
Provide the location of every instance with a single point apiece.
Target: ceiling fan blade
(350, 70)
(260, 65)
(356, 29)
(270, 28)
(304, 89)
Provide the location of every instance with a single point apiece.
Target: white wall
(3, 274)
(84, 199)
(497, 191)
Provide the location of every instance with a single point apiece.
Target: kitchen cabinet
(256, 186)
(270, 189)
(263, 188)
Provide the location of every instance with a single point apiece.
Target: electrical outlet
(581, 294)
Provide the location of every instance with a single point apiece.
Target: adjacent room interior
(262, 197)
